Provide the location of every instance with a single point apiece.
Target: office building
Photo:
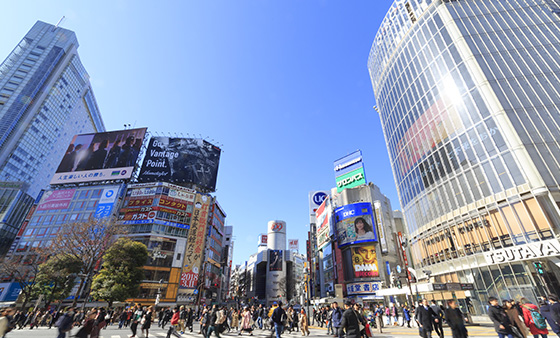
(468, 93)
(45, 99)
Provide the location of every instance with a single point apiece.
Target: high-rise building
(45, 99)
(468, 93)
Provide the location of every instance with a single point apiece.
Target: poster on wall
(323, 223)
(354, 224)
(100, 157)
(275, 260)
(364, 261)
(181, 160)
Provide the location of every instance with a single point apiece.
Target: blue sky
(283, 85)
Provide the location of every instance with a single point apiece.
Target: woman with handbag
(147, 321)
(513, 314)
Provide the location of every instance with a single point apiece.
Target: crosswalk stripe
(115, 336)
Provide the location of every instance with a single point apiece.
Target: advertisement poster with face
(275, 260)
(355, 224)
(364, 261)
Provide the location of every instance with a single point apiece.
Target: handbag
(368, 330)
(516, 332)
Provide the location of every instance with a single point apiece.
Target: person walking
(425, 317)
(555, 309)
(174, 324)
(501, 321)
(533, 319)
(513, 315)
(64, 323)
(279, 318)
(455, 320)
(235, 319)
(246, 324)
(213, 322)
(6, 320)
(304, 322)
(406, 316)
(350, 322)
(549, 315)
(438, 324)
(147, 322)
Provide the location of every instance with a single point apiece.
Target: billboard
(362, 288)
(263, 240)
(194, 252)
(181, 160)
(275, 260)
(293, 244)
(354, 224)
(323, 223)
(349, 171)
(100, 157)
(315, 200)
(56, 199)
(364, 261)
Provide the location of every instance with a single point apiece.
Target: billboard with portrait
(364, 261)
(355, 224)
(181, 160)
(275, 260)
(100, 157)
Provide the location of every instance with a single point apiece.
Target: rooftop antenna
(59, 21)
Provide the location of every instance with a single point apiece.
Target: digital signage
(354, 224)
(275, 260)
(364, 261)
(181, 160)
(100, 157)
(349, 171)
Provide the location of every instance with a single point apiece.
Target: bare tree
(86, 241)
(23, 273)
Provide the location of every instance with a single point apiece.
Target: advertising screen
(354, 224)
(349, 171)
(364, 261)
(100, 157)
(275, 260)
(181, 160)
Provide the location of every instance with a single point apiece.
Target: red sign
(276, 226)
(141, 202)
(171, 203)
(189, 280)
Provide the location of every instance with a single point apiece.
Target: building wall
(467, 93)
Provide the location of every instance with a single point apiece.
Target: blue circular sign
(319, 197)
(109, 193)
(399, 269)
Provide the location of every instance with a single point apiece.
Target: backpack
(64, 323)
(537, 318)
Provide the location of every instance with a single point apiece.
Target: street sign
(439, 287)
(453, 286)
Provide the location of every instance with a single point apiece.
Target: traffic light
(539, 268)
(399, 284)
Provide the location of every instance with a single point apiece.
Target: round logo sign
(276, 226)
(109, 193)
(319, 197)
(399, 269)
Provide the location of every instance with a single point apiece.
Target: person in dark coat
(337, 319)
(438, 325)
(426, 317)
(499, 317)
(554, 310)
(546, 311)
(350, 322)
(455, 320)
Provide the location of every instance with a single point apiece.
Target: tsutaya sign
(524, 252)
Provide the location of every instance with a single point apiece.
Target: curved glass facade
(468, 95)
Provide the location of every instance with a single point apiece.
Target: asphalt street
(113, 332)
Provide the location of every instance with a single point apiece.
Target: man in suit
(426, 317)
(438, 326)
(350, 321)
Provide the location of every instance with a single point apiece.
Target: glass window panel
(516, 231)
(502, 173)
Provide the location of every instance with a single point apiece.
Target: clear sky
(283, 85)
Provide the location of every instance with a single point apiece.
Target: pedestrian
(546, 311)
(6, 321)
(513, 315)
(246, 320)
(260, 314)
(279, 318)
(213, 322)
(438, 325)
(64, 323)
(533, 319)
(555, 310)
(350, 321)
(406, 316)
(189, 319)
(122, 319)
(147, 321)
(330, 327)
(455, 320)
(174, 324)
(235, 319)
(85, 330)
(425, 317)
(304, 323)
(137, 315)
(295, 320)
(501, 321)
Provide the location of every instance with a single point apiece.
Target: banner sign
(535, 250)
(293, 244)
(362, 288)
(323, 217)
(170, 203)
(181, 160)
(379, 220)
(106, 202)
(354, 224)
(194, 253)
(364, 261)
(100, 157)
(56, 199)
(349, 171)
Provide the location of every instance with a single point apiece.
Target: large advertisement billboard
(181, 160)
(354, 224)
(349, 171)
(194, 253)
(100, 157)
(364, 261)
(275, 260)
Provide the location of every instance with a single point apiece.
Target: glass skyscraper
(45, 99)
(468, 93)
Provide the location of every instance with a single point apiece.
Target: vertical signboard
(195, 242)
(323, 223)
(380, 227)
(106, 202)
(293, 244)
(316, 198)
